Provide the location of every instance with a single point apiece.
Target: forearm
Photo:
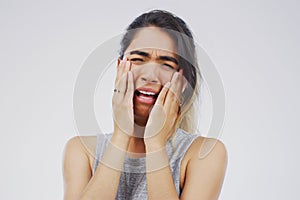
(104, 184)
(160, 184)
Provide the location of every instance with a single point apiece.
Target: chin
(141, 114)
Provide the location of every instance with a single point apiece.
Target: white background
(254, 44)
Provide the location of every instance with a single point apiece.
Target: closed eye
(137, 61)
(168, 66)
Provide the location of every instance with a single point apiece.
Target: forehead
(152, 38)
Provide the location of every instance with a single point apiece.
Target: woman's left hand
(161, 121)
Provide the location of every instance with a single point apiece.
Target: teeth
(147, 93)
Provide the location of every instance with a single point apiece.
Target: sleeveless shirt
(132, 183)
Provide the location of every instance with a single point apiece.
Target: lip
(147, 89)
(143, 98)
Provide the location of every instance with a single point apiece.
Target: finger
(127, 66)
(173, 97)
(176, 84)
(121, 85)
(121, 69)
(184, 81)
(180, 71)
(129, 83)
(161, 97)
(130, 87)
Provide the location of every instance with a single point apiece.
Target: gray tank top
(132, 183)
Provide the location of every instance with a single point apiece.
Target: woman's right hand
(122, 101)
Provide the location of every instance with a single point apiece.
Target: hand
(161, 122)
(122, 101)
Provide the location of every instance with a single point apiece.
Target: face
(152, 53)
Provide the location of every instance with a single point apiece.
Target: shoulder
(82, 143)
(77, 168)
(205, 168)
(203, 148)
(206, 152)
(199, 147)
(81, 147)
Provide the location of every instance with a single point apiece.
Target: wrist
(120, 139)
(156, 160)
(152, 145)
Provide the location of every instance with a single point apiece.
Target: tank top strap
(102, 142)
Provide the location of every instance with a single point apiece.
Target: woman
(150, 154)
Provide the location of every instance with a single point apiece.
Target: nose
(146, 80)
(149, 73)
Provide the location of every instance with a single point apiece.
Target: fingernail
(167, 85)
(124, 57)
(176, 74)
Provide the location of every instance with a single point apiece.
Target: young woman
(152, 153)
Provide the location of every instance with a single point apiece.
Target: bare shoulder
(205, 166)
(84, 146)
(77, 165)
(82, 143)
(203, 148)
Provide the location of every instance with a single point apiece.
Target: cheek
(166, 77)
(135, 72)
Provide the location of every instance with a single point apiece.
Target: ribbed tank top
(132, 183)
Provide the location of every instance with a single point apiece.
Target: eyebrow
(169, 58)
(141, 53)
(145, 54)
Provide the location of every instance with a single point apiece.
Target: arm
(76, 169)
(78, 180)
(160, 184)
(104, 184)
(204, 177)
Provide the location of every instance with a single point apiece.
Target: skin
(133, 132)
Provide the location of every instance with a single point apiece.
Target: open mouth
(146, 95)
